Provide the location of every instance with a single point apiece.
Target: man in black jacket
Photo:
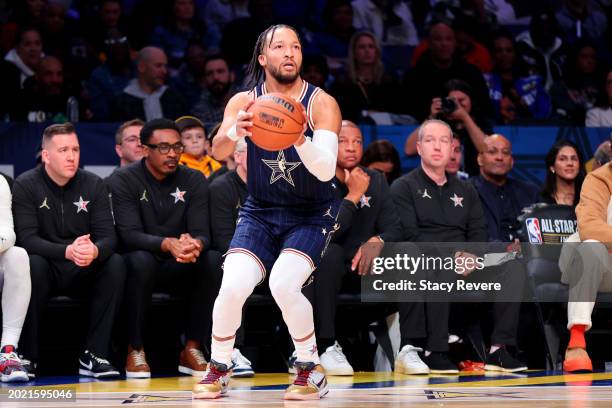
(161, 211)
(228, 192)
(437, 208)
(63, 220)
(367, 216)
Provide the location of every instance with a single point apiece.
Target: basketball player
(287, 221)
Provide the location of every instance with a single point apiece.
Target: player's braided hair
(255, 72)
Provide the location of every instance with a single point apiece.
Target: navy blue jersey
(280, 178)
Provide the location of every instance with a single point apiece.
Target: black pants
(197, 282)
(511, 275)
(101, 282)
(329, 278)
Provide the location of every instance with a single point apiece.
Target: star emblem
(328, 213)
(323, 231)
(426, 194)
(458, 201)
(333, 185)
(365, 201)
(143, 197)
(281, 168)
(44, 204)
(178, 195)
(81, 205)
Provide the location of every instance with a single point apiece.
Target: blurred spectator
(193, 137)
(382, 156)
(105, 24)
(435, 68)
(220, 12)
(26, 55)
(26, 14)
(602, 155)
(564, 174)
(368, 87)
(190, 80)
(389, 20)
(240, 35)
(578, 90)
(181, 27)
(127, 142)
(110, 78)
(458, 110)
(333, 41)
(46, 97)
(601, 114)
(503, 10)
(541, 49)
(578, 20)
(515, 96)
(219, 89)
(503, 198)
(455, 163)
(146, 96)
(315, 70)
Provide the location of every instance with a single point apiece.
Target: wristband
(232, 134)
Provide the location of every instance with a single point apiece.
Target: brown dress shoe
(136, 364)
(192, 361)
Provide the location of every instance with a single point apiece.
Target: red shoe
(580, 364)
(469, 365)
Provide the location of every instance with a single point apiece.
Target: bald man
(147, 96)
(502, 197)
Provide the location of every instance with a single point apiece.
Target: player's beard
(285, 79)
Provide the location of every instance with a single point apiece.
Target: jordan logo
(426, 194)
(143, 197)
(44, 204)
(281, 168)
(328, 213)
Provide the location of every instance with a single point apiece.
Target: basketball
(277, 121)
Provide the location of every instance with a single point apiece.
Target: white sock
(16, 290)
(241, 273)
(289, 273)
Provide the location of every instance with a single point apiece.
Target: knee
(39, 269)
(115, 270)
(139, 265)
(17, 262)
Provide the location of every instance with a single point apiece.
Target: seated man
(228, 192)
(587, 267)
(127, 142)
(15, 287)
(161, 212)
(455, 162)
(63, 219)
(193, 137)
(367, 215)
(434, 207)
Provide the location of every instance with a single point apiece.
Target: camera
(449, 105)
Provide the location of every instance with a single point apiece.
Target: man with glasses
(127, 142)
(161, 212)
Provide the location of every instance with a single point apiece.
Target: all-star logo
(365, 201)
(323, 231)
(458, 201)
(44, 204)
(81, 205)
(178, 195)
(143, 197)
(281, 168)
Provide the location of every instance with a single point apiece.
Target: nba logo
(533, 230)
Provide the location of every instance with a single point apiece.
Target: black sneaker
(439, 363)
(29, 366)
(93, 366)
(501, 360)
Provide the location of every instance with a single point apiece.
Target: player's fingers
(347, 175)
(248, 105)
(356, 259)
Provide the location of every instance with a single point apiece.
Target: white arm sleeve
(7, 232)
(320, 155)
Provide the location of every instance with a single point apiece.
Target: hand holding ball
(278, 121)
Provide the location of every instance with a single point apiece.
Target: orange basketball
(277, 121)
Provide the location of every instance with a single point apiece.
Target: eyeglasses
(164, 148)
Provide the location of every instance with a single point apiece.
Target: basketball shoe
(136, 365)
(91, 365)
(28, 366)
(335, 362)
(309, 384)
(241, 366)
(215, 382)
(11, 368)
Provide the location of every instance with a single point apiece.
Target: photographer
(456, 109)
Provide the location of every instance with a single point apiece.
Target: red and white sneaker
(11, 369)
(215, 382)
(309, 384)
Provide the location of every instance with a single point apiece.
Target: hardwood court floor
(533, 389)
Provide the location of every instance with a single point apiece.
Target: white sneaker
(291, 363)
(334, 361)
(241, 366)
(409, 362)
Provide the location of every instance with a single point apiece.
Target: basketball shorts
(264, 232)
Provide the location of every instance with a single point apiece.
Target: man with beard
(161, 213)
(219, 89)
(286, 223)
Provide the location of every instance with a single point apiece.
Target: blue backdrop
(19, 143)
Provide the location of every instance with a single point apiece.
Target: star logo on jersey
(281, 168)
(178, 195)
(81, 205)
(328, 213)
(323, 231)
(44, 204)
(365, 201)
(143, 197)
(426, 194)
(458, 201)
